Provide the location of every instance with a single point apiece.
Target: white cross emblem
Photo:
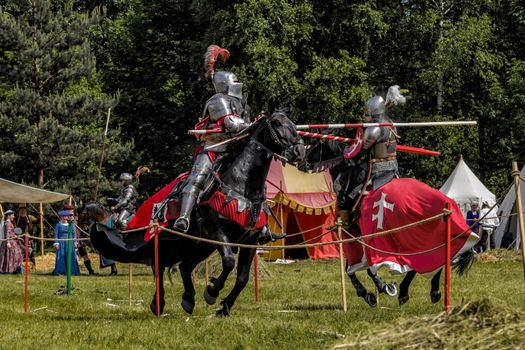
(382, 204)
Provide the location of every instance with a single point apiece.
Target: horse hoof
(403, 300)
(435, 296)
(222, 313)
(153, 307)
(210, 300)
(370, 299)
(187, 306)
(390, 289)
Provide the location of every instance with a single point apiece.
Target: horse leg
(435, 293)
(370, 298)
(389, 288)
(243, 275)
(153, 305)
(186, 267)
(228, 264)
(403, 287)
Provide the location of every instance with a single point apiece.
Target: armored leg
(122, 220)
(266, 235)
(200, 172)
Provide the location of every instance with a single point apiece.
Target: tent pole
(282, 227)
(42, 229)
(1, 210)
(130, 276)
(516, 174)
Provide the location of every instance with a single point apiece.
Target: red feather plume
(210, 57)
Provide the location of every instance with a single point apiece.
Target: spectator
(10, 250)
(473, 216)
(489, 221)
(25, 222)
(61, 232)
(81, 246)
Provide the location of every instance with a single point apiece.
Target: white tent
(509, 218)
(464, 187)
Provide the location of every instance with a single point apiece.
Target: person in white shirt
(488, 222)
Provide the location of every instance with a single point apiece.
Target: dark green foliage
(52, 108)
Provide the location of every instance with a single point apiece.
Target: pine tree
(52, 108)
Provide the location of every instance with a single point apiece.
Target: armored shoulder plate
(218, 106)
(372, 135)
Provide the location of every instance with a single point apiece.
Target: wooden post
(342, 264)
(157, 278)
(42, 229)
(516, 174)
(447, 259)
(256, 276)
(26, 284)
(102, 154)
(1, 210)
(130, 274)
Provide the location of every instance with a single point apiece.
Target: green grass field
(299, 308)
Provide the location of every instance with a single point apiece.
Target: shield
(353, 149)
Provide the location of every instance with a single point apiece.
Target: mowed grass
(299, 308)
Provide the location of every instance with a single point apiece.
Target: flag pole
(102, 153)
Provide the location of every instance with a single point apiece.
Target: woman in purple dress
(11, 256)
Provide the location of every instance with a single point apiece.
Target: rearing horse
(234, 211)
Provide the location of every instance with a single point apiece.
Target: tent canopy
(464, 187)
(12, 192)
(310, 193)
(305, 205)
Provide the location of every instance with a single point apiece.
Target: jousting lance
(397, 125)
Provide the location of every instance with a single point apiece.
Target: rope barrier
(301, 246)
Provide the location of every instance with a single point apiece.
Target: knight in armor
(379, 148)
(126, 201)
(227, 110)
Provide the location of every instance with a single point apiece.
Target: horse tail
(140, 170)
(463, 262)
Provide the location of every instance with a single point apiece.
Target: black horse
(348, 175)
(244, 181)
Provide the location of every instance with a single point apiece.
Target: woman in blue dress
(61, 229)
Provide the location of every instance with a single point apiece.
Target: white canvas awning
(12, 192)
(464, 187)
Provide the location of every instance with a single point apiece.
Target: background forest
(64, 63)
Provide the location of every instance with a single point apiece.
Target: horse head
(279, 134)
(95, 212)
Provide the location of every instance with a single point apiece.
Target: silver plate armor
(382, 143)
(218, 106)
(125, 205)
(227, 83)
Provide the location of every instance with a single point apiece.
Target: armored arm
(221, 106)
(125, 199)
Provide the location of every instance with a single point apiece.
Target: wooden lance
(397, 125)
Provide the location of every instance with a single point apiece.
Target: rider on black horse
(226, 110)
(379, 150)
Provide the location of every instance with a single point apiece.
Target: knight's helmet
(223, 81)
(126, 179)
(375, 107)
